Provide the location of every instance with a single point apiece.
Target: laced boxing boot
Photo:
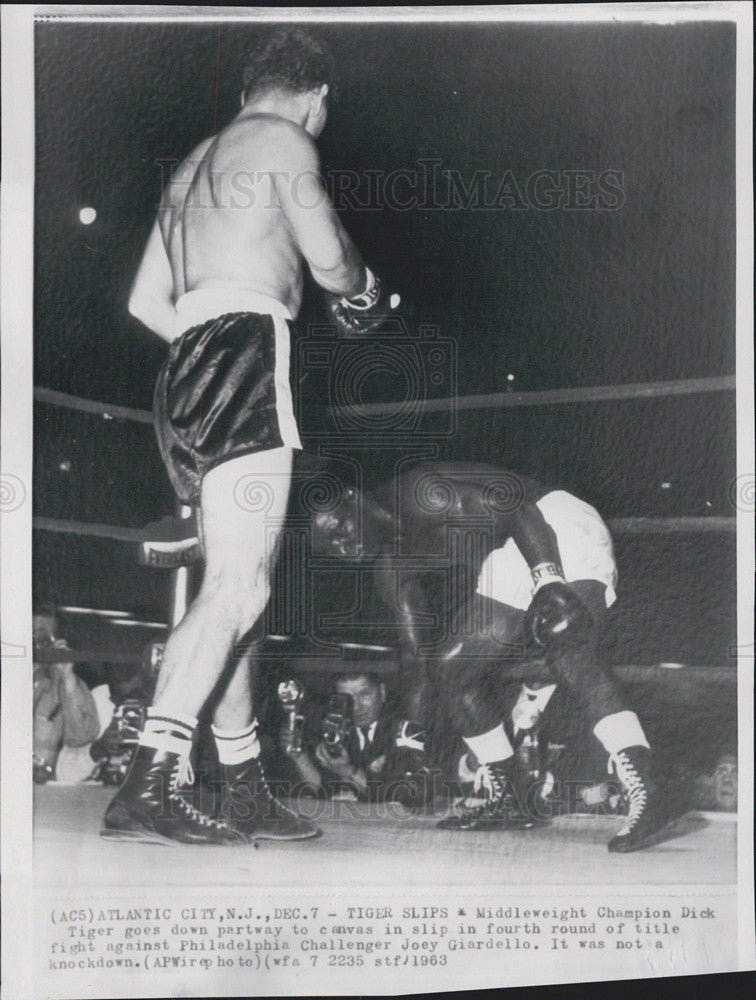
(499, 809)
(647, 812)
(150, 807)
(249, 807)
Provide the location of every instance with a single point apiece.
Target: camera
(130, 717)
(44, 648)
(115, 748)
(290, 695)
(338, 721)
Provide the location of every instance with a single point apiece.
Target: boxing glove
(359, 315)
(557, 615)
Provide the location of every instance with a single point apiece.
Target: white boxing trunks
(585, 548)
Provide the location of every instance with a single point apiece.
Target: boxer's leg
(235, 709)
(579, 668)
(243, 511)
(241, 545)
(474, 663)
(474, 674)
(616, 727)
(243, 505)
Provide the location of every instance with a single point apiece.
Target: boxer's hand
(359, 315)
(556, 614)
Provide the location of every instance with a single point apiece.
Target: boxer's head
(352, 527)
(368, 696)
(290, 61)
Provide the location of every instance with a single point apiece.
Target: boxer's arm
(332, 257)
(151, 296)
(533, 537)
(403, 594)
(556, 614)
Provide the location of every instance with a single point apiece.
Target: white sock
(619, 731)
(236, 746)
(171, 731)
(491, 746)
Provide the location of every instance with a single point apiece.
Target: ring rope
(531, 670)
(551, 397)
(641, 390)
(107, 410)
(621, 525)
(502, 400)
(90, 528)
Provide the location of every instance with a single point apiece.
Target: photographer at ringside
(127, 695)
(65, 713)
(362, 746)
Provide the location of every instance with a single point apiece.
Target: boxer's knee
(472, 713)
(475, 703)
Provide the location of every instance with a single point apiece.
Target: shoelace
(271, 796)
(634, 786)
(265, 789)
(183, 777)
(487, 781)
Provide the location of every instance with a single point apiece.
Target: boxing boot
(647, 811)
(150, 807)
(499, 808)
(250, 808)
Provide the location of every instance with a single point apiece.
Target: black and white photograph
(377, 498)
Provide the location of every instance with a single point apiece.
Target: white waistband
(204, 304)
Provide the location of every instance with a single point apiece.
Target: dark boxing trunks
(223, 392)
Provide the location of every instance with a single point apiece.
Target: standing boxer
(544, 579)
(221, 279)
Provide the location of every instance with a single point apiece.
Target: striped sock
(169, 731)
(237, 746)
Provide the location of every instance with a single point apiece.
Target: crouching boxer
(545, 584)
(221, 280)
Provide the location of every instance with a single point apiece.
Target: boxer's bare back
(246, 207)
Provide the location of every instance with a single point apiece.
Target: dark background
(556, 298)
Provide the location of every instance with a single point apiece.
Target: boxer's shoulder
(188, 167)
(267, 141)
